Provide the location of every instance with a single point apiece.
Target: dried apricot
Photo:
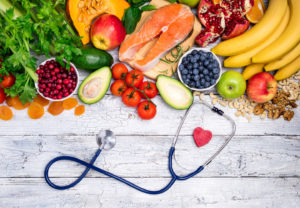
(256, 12)
(70, 103)
(5, 113)
(35, 110)
(42, 101)
(56, 108)
(9, 101)
(79, 110)
(17, 104)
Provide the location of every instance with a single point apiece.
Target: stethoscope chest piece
(106, 139)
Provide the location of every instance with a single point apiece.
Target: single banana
(286, 59)
(244, 59)
(288, 39)
(258, 33)
(251, 70)
(288, 70)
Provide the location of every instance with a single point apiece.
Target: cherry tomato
(131, 97)
(118, 87)
(134, 77)
(2, 96)
(119, 71)
(146, 110)
(8, 81)
(149, 89)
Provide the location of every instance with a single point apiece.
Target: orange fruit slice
(256, 12)
(216, 1)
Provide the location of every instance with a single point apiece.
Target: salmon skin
(169, 25)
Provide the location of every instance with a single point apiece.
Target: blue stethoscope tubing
(174, 176)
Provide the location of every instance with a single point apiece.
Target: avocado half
(174, 93)
(94, 87)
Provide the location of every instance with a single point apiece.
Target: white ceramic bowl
(75, 90)
(187, 53)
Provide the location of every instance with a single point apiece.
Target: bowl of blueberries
(199, 69)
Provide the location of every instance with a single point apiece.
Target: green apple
(231, 85)
(190, 3)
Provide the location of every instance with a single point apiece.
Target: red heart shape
(201, 136)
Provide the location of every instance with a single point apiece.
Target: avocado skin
(90, 77)
(92, 59)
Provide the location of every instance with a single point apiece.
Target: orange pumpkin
(82, 13)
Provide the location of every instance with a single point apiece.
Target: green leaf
(131, 17)
(148, 8)
(172, 1)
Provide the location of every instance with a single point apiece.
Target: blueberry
(194, 52)
(184, 77)
(197, 57)
(211, 74)
(190, 66)
(195, 65)
(181, 67)
(193, 60)
(206, 63)
(210, 66)
(196, 77)
(215, 63)
(202, 58)
(192, 84)
(204, 54)
(216, 76)
(187, 82)
(189, 76)
(201, 68)
(205, 71)
(202, 81)
(207, 78)
(201, 75)
(210, 55)
(207, 84)
(195, 71)
(215, 70)
(185, 71)
(212, 82)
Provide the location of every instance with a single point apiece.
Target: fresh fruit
(131, 97)
(241, 7)
(40, 100)
(94, 86)
(118, 87)
(35, 111)
(256, 12)
(262, 87)
(149, 88)
(288, 70)
(174, 93)
(235, 27)
(79, 110)
(7, 81)
(82, 13)
(244, 59)
(2, 96)
(199, 69)
(135, 78)
(56, 108)
(190, 3)
(146, 110)
(287, 40)
(251, 70)
(92, 59)
(17, 104)
(107, 32)
(119, 71)
(258, 33)
(70, 103)
(206, 37)
(201, 136)
(284, 60)
(55, 81)
(5, 113)
(231, 85)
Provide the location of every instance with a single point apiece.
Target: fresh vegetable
(174, 92)
(146, 110)
(35, 111)
(70, 103)
(82, 13)
(7, 81)
(131, 97)
(134, 77)
(94, 86)
(288, 70)
(119, 71)
(5, 113)
(56, 108)
(251, 70)
(258, 33)
(149, 88)
(134, 13)
(118, 87)
(2, 96)
(92, 59)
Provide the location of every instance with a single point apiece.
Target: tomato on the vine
(135, 78)
(7, 81)
(149, 89)
(118, 87)
(131, 97)
(146, 110)
(2, 96)
(119, 71)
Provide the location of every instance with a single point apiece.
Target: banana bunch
(273, 43)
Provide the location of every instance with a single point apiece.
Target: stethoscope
(106, 140)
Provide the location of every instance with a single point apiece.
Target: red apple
(262, 87)
(107, 32)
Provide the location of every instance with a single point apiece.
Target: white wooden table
(259, 168)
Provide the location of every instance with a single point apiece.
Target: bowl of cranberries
(56, 82)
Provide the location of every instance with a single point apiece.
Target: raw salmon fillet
(170, 25)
